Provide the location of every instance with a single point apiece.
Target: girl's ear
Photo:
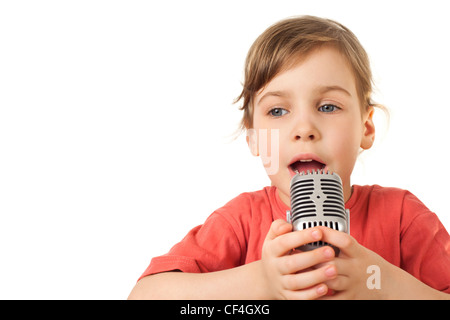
(369, 130)
(252, 142)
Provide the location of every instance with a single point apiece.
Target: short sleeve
(425, 245)
(212, 246)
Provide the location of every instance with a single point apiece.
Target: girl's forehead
(324, 68)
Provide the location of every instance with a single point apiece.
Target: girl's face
(312, 120)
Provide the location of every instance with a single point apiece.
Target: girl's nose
(305, 137)
(305, 130)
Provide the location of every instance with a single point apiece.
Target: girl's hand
(288, 273)
(363, 274)
(352, 267)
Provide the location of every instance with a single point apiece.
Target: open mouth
(305, 166)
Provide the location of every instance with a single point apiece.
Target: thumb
(277, 228)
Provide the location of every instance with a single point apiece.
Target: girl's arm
(237, 283)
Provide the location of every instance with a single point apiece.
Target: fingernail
(330, 272)
(322, 290)
(315, 234)
(328, 252)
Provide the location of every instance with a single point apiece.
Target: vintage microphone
(317, 199)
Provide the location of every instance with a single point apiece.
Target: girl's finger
(286, 242)
(303, 260)
(342, 240)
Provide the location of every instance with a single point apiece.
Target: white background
(117, 122)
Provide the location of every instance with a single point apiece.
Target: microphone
(317, 199)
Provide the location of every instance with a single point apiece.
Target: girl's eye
(328, 108)
(277, 112)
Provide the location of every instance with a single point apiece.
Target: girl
(307, 99)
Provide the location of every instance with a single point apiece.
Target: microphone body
(317, 199)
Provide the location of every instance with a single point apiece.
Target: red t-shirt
(389, 221)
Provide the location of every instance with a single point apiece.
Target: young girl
(307, 99)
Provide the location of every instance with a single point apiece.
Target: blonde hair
(286, 42)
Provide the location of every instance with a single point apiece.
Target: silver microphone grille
(317, 199)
